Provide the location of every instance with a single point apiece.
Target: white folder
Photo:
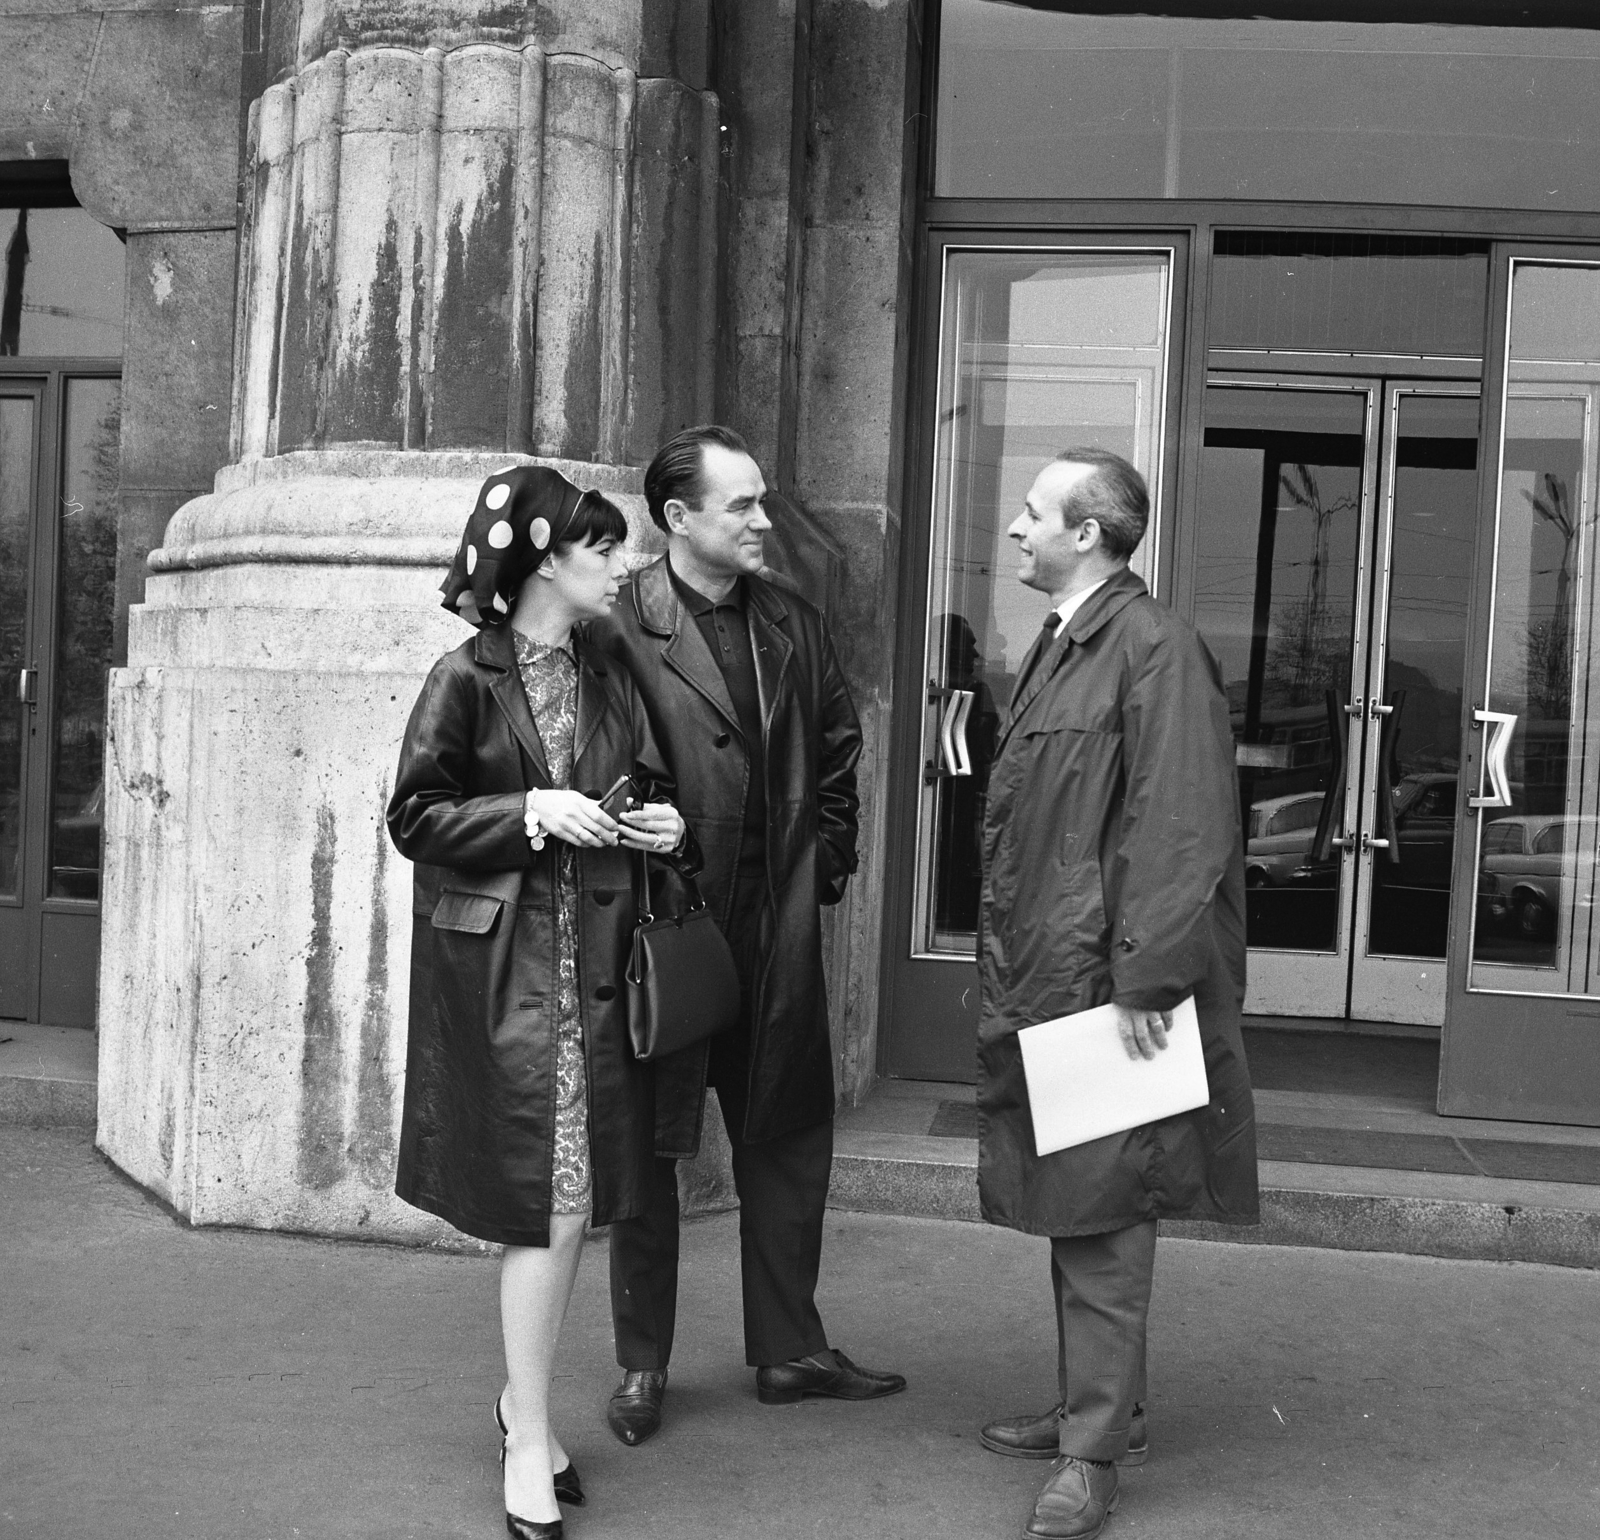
(1082, 1085)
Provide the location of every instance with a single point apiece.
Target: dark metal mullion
(51, 638)
(1134, 216)
(1178, 573)
(33, 389)
(1475, 678)
(42, 642)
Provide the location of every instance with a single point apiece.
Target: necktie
(1046, 636)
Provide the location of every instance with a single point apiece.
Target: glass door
(59, 446)
(19, 464)
(1331, 566)
(1523, 1036)
(1040, 348)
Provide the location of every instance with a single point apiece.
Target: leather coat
(1114, 871)
(812, 743)
(478, 1126)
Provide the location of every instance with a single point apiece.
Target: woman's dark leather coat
(813, 741)
(1114, 871)
(479, 1117)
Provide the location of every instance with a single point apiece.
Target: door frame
(906, 989)
(1302, 980)
(943, 222)
(49, 927)
(1504, 1054)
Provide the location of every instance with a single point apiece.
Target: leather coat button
(603, 895)
(721, 741)
(605, 992)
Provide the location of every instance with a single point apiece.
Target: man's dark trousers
(1102, 1288)
(782, 1186)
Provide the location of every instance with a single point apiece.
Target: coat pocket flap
(474, 913)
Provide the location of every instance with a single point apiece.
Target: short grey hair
(1114, 495)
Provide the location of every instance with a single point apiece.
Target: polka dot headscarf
(522, 514)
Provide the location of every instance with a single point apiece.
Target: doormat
(955, 1120)
(1443, 1154)
(1507, 1159)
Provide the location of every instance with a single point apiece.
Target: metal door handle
(953, 733)
(1500, 725)
(1342, 841)
(1368, 843)
(1377, 709)
(28, 686)
(1356, 708)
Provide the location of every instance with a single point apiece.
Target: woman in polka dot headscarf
(526, 1115)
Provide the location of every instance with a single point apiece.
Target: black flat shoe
(828, 1373)
(634, 1410)
(568, 1488)
(529, 1529)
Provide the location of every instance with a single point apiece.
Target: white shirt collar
(1070, 607)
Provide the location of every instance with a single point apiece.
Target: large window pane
(1033, 103)
(1041, 351)
(1275, 598)
(87, 606)
(1403, 296)
(16, 494)
(63, 282)
(1536, 919)
(1434, 501)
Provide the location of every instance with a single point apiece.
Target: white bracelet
(530, 822)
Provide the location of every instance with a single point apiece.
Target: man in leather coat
(751, 710)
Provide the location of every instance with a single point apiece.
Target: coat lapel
(1119, 591)
(593, 702)
(684, 651)
(496, 652)
(764, 608)
(1035, 679)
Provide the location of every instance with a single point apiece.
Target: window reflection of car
(1520, 870)
(75, 850)
(1424, 829)
(1281, 832)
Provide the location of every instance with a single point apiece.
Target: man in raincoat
(1113, 872)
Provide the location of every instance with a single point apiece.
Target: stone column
(466, 244)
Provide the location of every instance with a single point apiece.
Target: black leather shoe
(1076, 1501)
(828, 1373)
(568, 1488)
(1037, 1437)
(634, 1410)
(533, 1529)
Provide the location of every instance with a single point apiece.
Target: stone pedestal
(465, 246)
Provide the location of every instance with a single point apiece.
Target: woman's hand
(657, 827)
(569, 816)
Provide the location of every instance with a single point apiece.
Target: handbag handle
(642, 897)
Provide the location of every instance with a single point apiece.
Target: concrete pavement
(161, 1383)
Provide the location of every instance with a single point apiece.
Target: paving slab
(163, 1383)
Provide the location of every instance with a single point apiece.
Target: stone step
(1362, 1168)
(47, 1075)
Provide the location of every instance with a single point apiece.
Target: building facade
(1329, 274)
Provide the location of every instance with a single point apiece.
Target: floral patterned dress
(550, 681)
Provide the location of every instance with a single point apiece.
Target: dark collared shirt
(727, 632)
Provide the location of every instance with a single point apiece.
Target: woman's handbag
(682, 985)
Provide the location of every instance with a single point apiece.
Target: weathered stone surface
(672, 300)
(178, 357)
(441, 247)
(850, 407)
(143, 100)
